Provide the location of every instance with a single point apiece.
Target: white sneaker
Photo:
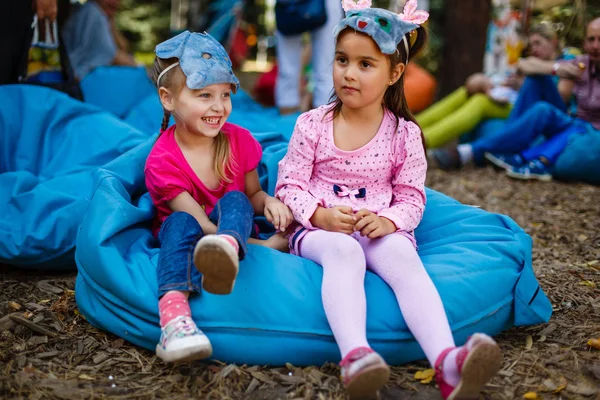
(181, 340)
(218, 262)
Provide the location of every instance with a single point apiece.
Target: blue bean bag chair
(580, 161)
(50, 148)
(117, 89)
(480, 262)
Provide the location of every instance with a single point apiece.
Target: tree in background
(464, 36)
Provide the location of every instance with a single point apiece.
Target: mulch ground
(48, 350)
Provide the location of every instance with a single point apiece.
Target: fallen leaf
(595, 369)
(14, 305)
(548, 385)
(594, 343)
(86, 377)
(562, 384)
(583, 388)
(528, 342)
(587, 283)
(425, 376)
(44, 286)
(531, 396)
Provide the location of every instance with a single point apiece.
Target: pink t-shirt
(385, 176)
(168, 173)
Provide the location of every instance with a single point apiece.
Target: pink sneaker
(476, 367)
(218, 262)
(364, 372)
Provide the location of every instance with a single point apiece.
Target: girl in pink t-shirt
(201, 175)
(354, 178)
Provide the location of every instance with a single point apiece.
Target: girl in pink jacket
(354, 178)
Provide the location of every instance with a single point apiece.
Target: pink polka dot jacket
(386, 176)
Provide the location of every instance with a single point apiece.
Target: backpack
(48, 61)
(294, 17)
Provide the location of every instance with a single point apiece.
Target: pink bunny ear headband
(385, 27)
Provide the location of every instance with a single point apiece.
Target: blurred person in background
(16, 32)
(92, 39)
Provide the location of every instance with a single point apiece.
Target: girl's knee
(177, 223)
(236, 199)
(340, 243)
(342, 248)
(542, 108)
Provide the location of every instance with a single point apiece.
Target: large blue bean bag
(480, 262)
(117, 89)
(50, 148)
(580, 161)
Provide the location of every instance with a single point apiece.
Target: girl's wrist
(315, 219)
(390, 227)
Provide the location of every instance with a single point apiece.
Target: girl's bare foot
(278, 242)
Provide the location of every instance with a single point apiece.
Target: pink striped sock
(173, 304)
(233, 242)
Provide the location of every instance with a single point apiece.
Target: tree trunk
(465, 30)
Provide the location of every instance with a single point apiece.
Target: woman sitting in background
(461, 111)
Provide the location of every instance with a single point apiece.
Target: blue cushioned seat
(50, 148)
(480, 262)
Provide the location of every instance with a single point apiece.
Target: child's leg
(396, 261)
(462, 370)
(363, 371)
(343, 289)
(217, 256)
(476, 109)
(441, 109)
(181, 340)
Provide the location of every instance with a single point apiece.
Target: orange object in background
(419, 87)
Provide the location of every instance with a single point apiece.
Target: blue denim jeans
(520, 136)
(536, 88)
(179, 233)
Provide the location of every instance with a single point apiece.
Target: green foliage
(570, 20)
(144, 22)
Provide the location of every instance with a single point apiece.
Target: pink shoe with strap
(364, 372)
(477, 362)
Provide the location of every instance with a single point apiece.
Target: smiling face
(201, 112)
(361, 73)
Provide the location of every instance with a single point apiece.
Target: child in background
(201, 175)
(354, 178)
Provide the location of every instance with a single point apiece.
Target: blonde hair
(224, 164)
(545, 30)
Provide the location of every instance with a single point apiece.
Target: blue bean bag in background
(480, 262)
(50, 148)
(117, 89)
(580, 161)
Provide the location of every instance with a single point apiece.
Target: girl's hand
(373, 226)
(278, 213)
(336, 219)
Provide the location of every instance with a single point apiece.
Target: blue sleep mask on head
(385, 27)
(202, 59)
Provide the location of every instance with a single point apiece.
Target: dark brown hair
(394, 99)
